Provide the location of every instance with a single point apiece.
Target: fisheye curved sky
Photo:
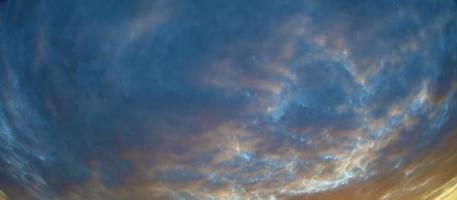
(227, 100)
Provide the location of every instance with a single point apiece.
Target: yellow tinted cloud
(448, 194)
(3, 195)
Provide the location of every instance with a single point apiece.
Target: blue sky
(225, 99)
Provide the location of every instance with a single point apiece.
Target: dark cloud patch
(179, 176)
(324, 85)
(301, 117)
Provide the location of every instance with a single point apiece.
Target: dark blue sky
(225, 99)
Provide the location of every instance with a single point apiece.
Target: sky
(228, 100)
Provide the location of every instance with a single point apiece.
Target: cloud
(213, 99)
